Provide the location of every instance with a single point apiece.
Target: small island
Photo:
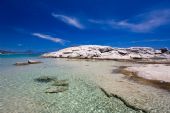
(108, 53)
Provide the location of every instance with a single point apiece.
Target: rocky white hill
(107, 52)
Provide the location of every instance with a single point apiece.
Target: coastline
(140, 55)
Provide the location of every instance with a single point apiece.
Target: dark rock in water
(33, 62)
(27, 63)
(21, 63)
(58, 86)
(60, 83)
(45, 79)
(56, 89)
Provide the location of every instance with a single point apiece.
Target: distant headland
(19, 52)
(6, 52)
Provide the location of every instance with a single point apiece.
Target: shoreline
(141, 61)
(138, 55)
(134, 75)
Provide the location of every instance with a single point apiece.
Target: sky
(48, 25)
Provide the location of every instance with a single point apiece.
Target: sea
(94, 86)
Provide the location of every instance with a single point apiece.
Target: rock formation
(107, 52)
(151, 72)
(27, 63)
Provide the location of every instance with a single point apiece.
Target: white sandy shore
(152, 72)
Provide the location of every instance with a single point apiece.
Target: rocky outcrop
(107, 52)
(27, 63)
(21, 63)
(33, 62)
(151, 72)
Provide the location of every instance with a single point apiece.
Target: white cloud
(97, 21)
(145, 22)
(69, 20)
(48, 37)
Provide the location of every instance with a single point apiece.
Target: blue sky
(47, 25)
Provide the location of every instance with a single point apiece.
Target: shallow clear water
(19, 93)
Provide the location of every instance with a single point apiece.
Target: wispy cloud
(69, 20)
(48, 37)
(145, 22)
(150, 40)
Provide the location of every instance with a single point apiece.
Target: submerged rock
(60, 83)
(57, 89)
(45, 79)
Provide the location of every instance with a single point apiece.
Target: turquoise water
(20, 93)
